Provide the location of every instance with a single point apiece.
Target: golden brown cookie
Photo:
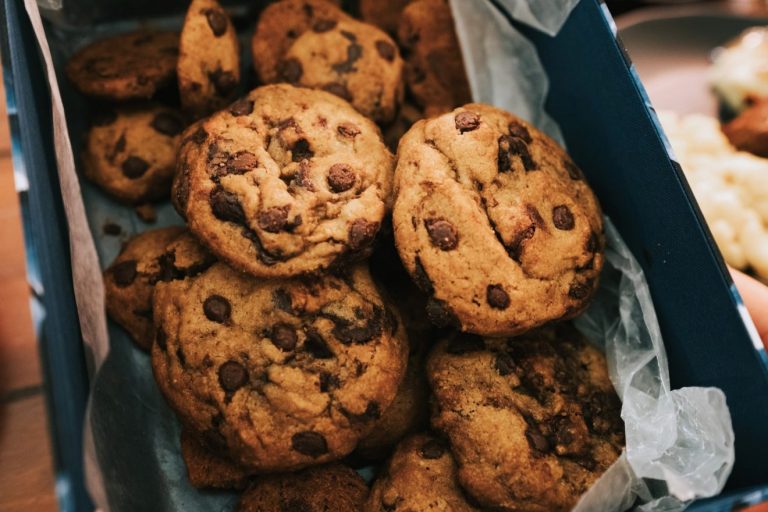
(385, 14)
(331, 488)
(157, 255)
(209, 59)
(127, 66)
(434, 69)
(208, 469)
(286, 181)
(279, 374)
(533, 421)
(130, 152)
(493, 220)
(420, 476)
(322, 48)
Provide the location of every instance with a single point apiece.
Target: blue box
(601, 107)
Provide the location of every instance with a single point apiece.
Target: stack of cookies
(328, 302)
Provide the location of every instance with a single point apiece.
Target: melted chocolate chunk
(217, 309)
(432, 450)
(241, 108)
(309, 443)
(124, 273)
(232, 376)
(226, 206)
(316, 345)
(562, 217)
(519, 131)
(217, 20)
(341, 177)
(348, 130)
(301, 151)
(386, 50)
(134, 167)
(511, 147)
(290, 70)
(362, 233)
(442, 234)
(273, 220)
(467, 121)
(497, 297)
(354, 52)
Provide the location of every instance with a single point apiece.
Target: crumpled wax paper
(132, 441)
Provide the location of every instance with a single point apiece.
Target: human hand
(755, 295)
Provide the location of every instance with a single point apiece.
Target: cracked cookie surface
(533, 421)
(127, 66)
(157, 255)
(209, 59)
(130, 152)
(280, 374)
(420, 476)
(320, 47)
(494, 220)
(285, 181)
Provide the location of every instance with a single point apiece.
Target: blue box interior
(610, 131)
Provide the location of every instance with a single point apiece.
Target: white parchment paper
(679, 442)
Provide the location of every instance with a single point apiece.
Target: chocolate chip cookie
(209, 59)
(158, 255)
(127, 66)
(280, 374)
(434, 69)
(328, 50)
(385, 15)
(421, 476)
(207, 469)
(532, 421)
(285, 181)
(130, 152)
(495, 221)
(328, 488)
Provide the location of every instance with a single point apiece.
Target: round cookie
(494, 220)
(328, 488)
(130, 152)
(286, 181)
(420, 476)
(532, 421)
(434, 69)
(280, 374)
(385, 15)
(209, 59)
(125, 67)
(207, 469)
(353, 60)
(156, 255)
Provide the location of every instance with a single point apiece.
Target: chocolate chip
(421, 278)
(241, 108)
(580, 291)
(521, 132)
(124, 273)
(354, 52)
(225, 206)
(510, 147)
(386, 50)
(338, 89)
(361, 234)
(467, 121)
(217, 20)
(282, 300)
(504, 364)
(272, 220)
(167, 124)
(536, 440)
(463, 343)
(199, 136)
(328, 381)
(232, 376)
(134, 167)
(515, 248)
(573, 171)
(284, 337)
(103, 117)
(496, 296)
(241, 162)
(432, 450)
(290, 70)
(217, 309)
(341, 177)
(562, 217)
(442, 234)
(309, 443)
(592, 242)
(161, 339)
(321, 26)
(372, 412)
(348, 130)
(316, 345)
(225, 82)
(301, 151)
(350, 333)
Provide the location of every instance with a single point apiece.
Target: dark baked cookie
(209, 59)
(283, 374)
(434, 69)
(532, 421)
(331, 488)
(494, 220)
(420, 476)
(328, 50)
(384, 14)
(285, 181)
(157, 255)
(208, 469)
(127, 66)
(130, 152)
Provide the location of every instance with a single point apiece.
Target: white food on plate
(730, 186)
(740, 70)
